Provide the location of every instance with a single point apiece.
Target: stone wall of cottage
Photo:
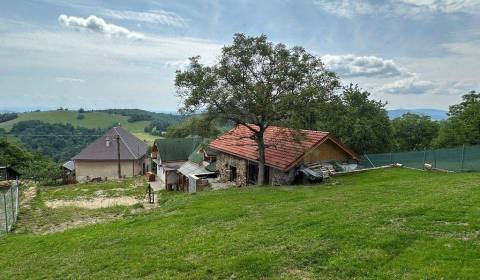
(224, 162)
(278, 177)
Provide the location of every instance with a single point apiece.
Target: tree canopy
(414, 132)
(361, 122)
(463, 124)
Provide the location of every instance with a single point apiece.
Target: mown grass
(383, 224)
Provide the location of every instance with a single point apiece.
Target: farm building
(287, 152)
(169, 155)
(100, 159)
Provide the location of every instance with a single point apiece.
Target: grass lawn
(382, 224)
(144, 136)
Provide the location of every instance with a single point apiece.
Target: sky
(123, 54)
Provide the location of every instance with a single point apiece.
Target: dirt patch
(74, 224)
(28, 194)
(95, 203)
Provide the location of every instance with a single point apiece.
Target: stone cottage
(287, 150)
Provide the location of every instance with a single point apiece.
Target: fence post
(17, 194)
(424, 157)
(463, 157)
(13, 206)
(373, 165)
(6, 215)
(434, 159)
(391, 157)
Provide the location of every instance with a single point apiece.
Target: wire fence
(9, 207)
(463, 158)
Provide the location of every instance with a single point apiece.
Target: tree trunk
(261, 159)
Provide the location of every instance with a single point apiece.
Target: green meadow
(381, 224)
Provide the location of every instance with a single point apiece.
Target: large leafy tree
(463, 124)
(256, 84)
(361, 122)
(414, 132)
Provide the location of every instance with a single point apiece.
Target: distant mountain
(435, 114)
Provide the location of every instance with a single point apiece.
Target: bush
(80, 117)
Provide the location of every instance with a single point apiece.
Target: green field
(381, 224)
(91, 120)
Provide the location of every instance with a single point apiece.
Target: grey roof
(191, 168)
(70, 165)
(131, 148)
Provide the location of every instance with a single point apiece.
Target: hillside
(382, 224)
(94, 119)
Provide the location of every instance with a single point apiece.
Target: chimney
(107, 141)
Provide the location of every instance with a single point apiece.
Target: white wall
(108, 169)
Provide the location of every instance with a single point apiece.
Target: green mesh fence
(464, 158)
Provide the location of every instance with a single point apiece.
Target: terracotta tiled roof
(285, 146)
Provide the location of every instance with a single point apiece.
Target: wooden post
(6, 215)
(463, 157)
(424, 157)
(118, 157)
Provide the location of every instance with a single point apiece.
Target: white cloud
(69, 80)
(70, 51)
(177, 64)
(411, 85)
(363, 66)
(97, 25)
(434, 89)
(346, 8)
(446, 6)
(404, 8)
(153, 16)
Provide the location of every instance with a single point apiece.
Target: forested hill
(59, 142)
